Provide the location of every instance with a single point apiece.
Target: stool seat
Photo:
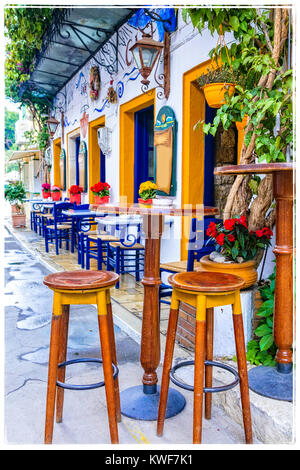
(81, 279)
(205, 281)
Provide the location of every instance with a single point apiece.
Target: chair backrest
(57, 212)
(199, 244)
(81, 207)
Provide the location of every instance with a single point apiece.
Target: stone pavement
(28, 315)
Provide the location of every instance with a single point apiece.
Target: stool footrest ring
(88, 386)
(222, 388)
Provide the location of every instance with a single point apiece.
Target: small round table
(277, 382)
(141, 401)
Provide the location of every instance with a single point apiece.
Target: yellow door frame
(127, 111)
(56, 161)
(94, 158)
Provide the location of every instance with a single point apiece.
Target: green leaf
(234, 22)
(263, 330)
(266, 342)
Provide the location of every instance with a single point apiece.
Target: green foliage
(11, 118)
(251, 58)
(24, 29)
(218, 75)
(262, 350)
(15, 193)
(41, 138)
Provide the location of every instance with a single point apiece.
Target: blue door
(209, 160)
(102, 167)
(143, 148)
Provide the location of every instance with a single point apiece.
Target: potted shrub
(75, 193)
(101, 192)
(15, 194)
(147, 191)
(215, 83)
(55, 193)
(46, 190)
(236, 248)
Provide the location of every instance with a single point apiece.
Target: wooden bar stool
(205, 291)
(81, 287)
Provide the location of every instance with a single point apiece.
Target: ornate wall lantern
(52, 124)
(146, 52)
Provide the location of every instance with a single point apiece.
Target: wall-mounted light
(52, 125)
(146, 52)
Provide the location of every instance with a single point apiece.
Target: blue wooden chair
(199, 246)
(61, 227)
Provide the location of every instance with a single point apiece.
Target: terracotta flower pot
(245, 270)
(101, 200)
(215, 92)
(145, 202)
(18, 220)
(55, 195)
(46, 194)
(240, 125)
(75, 198)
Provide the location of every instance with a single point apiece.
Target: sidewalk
(28, 315)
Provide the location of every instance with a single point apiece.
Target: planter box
(101, 200)
(18, 220)
(55, 195)
(75, 198)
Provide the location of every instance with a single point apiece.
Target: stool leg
(61, 373)
(209, 357)
(199, 367)
(107, 366)
(113, 353)
(242, 366)
(52, 369)
(171, 335)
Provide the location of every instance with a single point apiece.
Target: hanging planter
(215, 93)
(218, 81)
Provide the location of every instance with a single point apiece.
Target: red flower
(75, 189)
(211, 230)
(229, 224)
(264, 232)
(259, 233)
(101, 189)
(220, 239)
(242, 221)
(230, 237)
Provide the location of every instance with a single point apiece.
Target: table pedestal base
(270, 383)
(137, 404)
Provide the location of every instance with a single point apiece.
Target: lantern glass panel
(149, 55)
(136, 55)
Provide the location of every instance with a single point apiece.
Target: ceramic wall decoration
(82, 165)
(84, 122)
(94, 82)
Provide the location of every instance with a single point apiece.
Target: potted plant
(15, 194)
(75, 193)
(147, 191)
(46, 190)
(237, 247)
(101, 192)
(215, 83)
(55, 193)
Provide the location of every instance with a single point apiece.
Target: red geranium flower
(75, 189)
(220, 239)
(229, 224)
(230, 237)
(242, 221)
(211, 230)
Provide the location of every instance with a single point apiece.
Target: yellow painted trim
(74, 133)
(241, 135)
(56, 161)
(127, 111)
(93, 160)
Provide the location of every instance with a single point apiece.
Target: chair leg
(61, 373)
(99, 254)
(52, 375)
(117, 265)
(242, 367)
(171, 334)
(113, 354)
(199, 367)
(137, 266)
(209, 357)
(87, 261)
(107, 366)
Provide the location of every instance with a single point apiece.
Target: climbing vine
(259, 58)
